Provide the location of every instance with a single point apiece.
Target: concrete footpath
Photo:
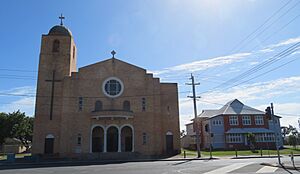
(60, 163)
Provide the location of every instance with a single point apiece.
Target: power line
(123, 96)
(259, 27)
(262, 74)
(268, 26)
(262, 65)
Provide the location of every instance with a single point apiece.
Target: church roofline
(87, 66)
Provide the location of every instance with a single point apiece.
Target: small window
(234, 138)
(126, 105)
(55, 47)
(259, 120)
(80, 103)
(144, 138)
(74, 52)
(98, 106)
(143, 104)
(233, 120)
(246, 120)
(79, 139)
(217, 122)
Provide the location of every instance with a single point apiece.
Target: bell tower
(57, 61)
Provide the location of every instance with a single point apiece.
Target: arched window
(98, 105)
(55, 47)
(74, 52)
(126, 105)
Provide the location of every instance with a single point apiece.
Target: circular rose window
(112, 87)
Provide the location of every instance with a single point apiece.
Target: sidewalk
(59, 163)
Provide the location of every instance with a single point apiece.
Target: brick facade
(150, 127)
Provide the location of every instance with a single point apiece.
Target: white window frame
(233, 120)
(259, 120)
(265, 137)
(246, 119)
(216, 122)
(234, 138)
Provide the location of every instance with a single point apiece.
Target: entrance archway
(169, 142)
(49, 144)
(97, 139)
(112, 139)
(126, 139)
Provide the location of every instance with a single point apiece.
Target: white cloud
(261, 90)
(20, 90)
(205, 64)
(25, 104)
(266, 50)
(285, 42)
(288, 111)
(223, 60)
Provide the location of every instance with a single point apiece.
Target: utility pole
(195, 113)
(276, 138)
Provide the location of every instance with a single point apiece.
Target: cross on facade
(61, 17)
(113, 53)
(52, 92)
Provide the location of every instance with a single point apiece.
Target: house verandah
(258, 138)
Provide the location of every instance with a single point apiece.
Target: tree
(182, 133)
(4, 131)
(23, 131)
(16, 125)
(292, 140)
(251, 141)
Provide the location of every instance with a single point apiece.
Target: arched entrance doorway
(97, 139)
(169, 142)
(112, 139)
(126, 139)
(49, 144)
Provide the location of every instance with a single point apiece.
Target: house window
(234, 138)
(233, 120)
(98, 105)
(55, 47)
(126, 105)
(144, 138)
(246, 120)
(143, 104)
(79, 139)
(265, 137)
(217, 122)
(259, 120)
(80, 103)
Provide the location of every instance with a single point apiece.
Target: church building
(107, 110)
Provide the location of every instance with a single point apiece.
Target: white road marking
(228, 169)
(267, 169)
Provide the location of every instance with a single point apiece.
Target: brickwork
(72, 117)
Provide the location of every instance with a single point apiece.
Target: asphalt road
(218, 166)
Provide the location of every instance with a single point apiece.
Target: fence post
(236, 155)
(261, 152)
(184, 155)
(292, 159)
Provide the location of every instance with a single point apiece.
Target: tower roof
(60, 30)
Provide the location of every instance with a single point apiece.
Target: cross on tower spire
(61, 17)
(113, 53)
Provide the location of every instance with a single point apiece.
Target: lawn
(285, 151)
(21, 155)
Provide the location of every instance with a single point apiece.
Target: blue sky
(171, 38)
